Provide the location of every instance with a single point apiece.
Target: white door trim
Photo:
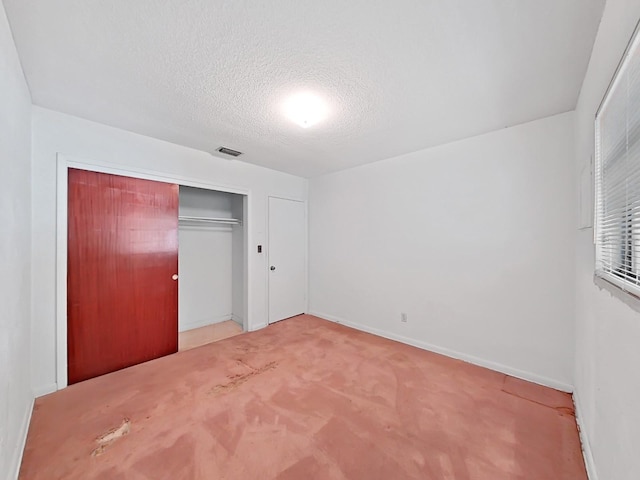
(306, 249)
(64, 162)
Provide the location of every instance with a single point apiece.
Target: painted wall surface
(205, 260)
(55, 132)
(472, 240)
(608, 323)
(238, 249)
(15, 254)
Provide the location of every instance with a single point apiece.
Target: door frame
(63, 163)
(306, 251)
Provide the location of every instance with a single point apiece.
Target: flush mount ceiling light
(305, 109)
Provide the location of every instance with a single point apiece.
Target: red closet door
(122, 306)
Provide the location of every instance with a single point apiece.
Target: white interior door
(287, 258)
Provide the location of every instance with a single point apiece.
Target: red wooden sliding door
(122, 305)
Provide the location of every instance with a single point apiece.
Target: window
(617, 209)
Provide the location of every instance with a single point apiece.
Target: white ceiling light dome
(306, 109)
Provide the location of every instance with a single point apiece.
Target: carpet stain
(239, 379)
(106, 439)
(566, 411)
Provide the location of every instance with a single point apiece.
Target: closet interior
(211, 266)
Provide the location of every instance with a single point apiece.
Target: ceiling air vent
(229, 151)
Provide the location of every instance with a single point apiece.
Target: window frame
(630, 234)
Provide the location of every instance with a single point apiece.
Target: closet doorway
(144, 261)
(211, 266)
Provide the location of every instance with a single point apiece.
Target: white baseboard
(45, 390)
(589, 463)
(498, 367)
(14, 466)
(258, 327)
(238, 319)
(203, 323)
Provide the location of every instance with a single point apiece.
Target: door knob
(174, 276)
(272, 268)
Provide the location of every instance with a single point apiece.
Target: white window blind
(617, 209)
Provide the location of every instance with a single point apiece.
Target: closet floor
(209, 334)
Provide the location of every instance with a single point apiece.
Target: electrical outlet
(403, 317)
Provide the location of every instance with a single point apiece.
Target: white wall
(473, 240)
(239, 246)
(55, 132)
(205, 260)
(607, 383)
(15, 254)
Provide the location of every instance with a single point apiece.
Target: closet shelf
(209, 220)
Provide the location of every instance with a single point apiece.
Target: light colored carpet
(304, 399)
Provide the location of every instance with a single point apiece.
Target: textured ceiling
(397, 75)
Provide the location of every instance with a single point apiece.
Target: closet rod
(227, 221)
